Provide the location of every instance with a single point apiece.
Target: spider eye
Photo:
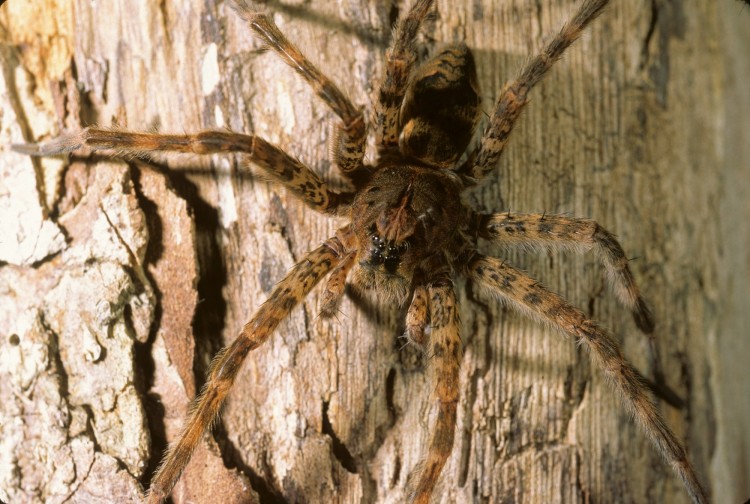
(403, 247)
(377, 242)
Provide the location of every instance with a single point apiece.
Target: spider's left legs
(285, 296)
(558, 231)
(514, 95)
(525, 294)
(400, 59)
(351, 135)
(444, 349)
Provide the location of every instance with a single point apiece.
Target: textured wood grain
(639, 127)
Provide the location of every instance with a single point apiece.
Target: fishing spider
(410, 234)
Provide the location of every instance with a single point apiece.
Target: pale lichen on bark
(70, 406)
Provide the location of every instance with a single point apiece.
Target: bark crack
(340, 451)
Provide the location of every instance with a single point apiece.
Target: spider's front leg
(418, 316)
(285, 296)
(336, 285)
(527, 295)
(294, 175)
(444, 350)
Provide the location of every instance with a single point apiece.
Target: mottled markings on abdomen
(441, 108)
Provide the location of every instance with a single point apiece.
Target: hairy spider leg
(287, 294)
(351, 135)
(560, 232)
(569, 233)
(399, 61)
(295, 176)
(417, 316)
(514, 95)
(444, 349)
(525, 294)
(336, 285)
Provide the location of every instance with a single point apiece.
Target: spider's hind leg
(351, 135)
(514, 95)
(400, 60)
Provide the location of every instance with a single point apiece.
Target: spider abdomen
(441, 108)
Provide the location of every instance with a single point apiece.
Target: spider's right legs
(514, 95)
(526, 294)
(279, 165)
(225, 367)
(351, 136)
(400, 59)
(557, 231)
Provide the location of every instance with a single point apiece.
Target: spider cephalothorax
(405, 216)
(410, 235)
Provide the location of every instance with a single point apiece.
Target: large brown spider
(410, 234)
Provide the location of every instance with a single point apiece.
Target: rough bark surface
(119, 280)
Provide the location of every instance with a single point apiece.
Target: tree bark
(121, 278)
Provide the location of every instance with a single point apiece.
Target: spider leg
(285, 296)
(557, 231)
(418, 316)
(445, 349)
(524, 293)
(514, 95)
(280, 166)
(351, 135)
(400, 59)
(336, 286)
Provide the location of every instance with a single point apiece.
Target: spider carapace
(404, 220)
(410, 234)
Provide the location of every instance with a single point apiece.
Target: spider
(409, 234)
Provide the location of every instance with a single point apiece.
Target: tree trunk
(120, 279)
